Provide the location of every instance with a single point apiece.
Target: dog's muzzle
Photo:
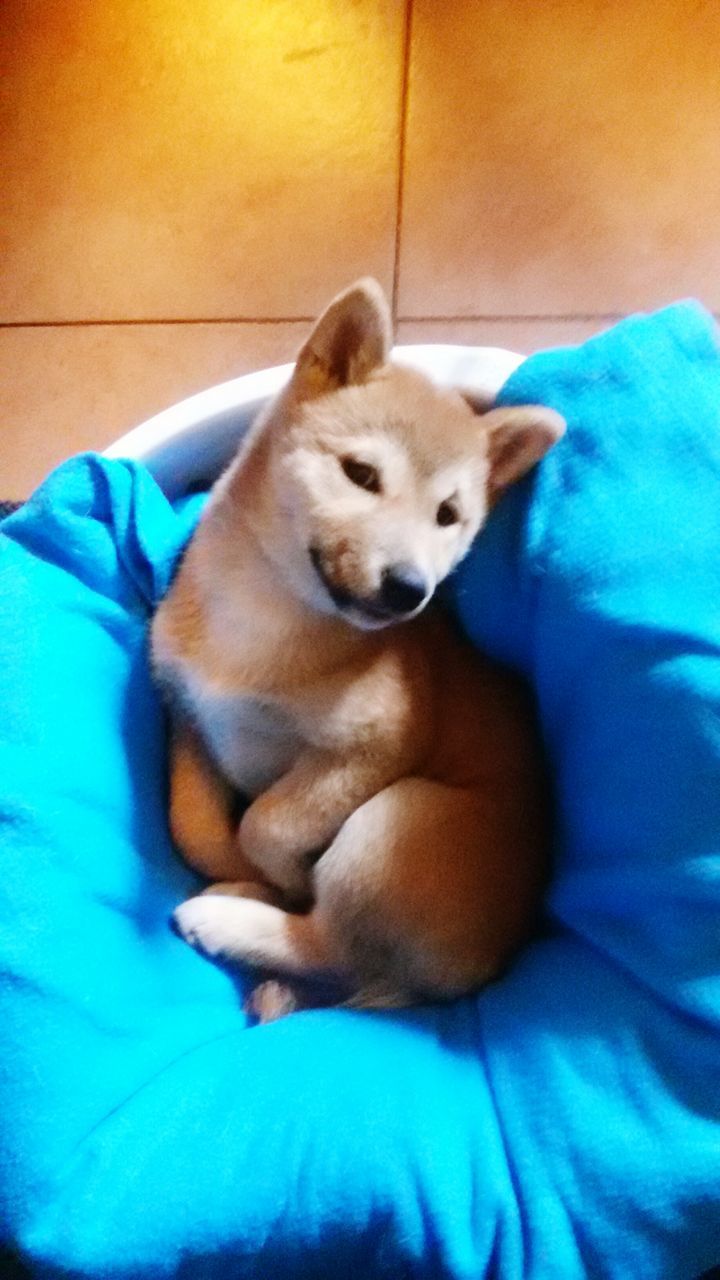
(403, 591)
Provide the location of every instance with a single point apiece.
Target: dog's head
(379, 480)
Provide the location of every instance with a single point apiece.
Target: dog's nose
(403, 588)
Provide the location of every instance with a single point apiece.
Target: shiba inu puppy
(395, 838)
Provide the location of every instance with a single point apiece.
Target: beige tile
(71, 388)
(523, 336)
(561, 157)
(165, 160)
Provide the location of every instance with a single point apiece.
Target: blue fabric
(567, 1122)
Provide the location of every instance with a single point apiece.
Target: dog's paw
(209, 924)
(271, 1000)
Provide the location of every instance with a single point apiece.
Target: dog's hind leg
(430, 888)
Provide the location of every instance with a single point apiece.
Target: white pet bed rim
(188, 444)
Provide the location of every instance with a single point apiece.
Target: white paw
(209, 923)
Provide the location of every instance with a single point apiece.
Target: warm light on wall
(166, 125)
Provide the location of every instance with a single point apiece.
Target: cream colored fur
(396, 835)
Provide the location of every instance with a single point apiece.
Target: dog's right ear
(351, 339)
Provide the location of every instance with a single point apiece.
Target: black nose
(402, 589)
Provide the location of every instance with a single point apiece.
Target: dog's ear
(517, 438)
(352, 338)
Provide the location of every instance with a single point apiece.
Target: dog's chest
(252, 739)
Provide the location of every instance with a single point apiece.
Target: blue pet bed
(566, 1123)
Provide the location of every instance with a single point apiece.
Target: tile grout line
(545, 317)
(154, 320)
(518, 317)
(402, 136)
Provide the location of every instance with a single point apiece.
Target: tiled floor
(185, 185)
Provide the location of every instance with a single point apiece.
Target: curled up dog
(395, 836)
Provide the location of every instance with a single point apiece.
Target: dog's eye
(447, 514)
(362, 474)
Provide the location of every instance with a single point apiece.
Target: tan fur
(396, 834)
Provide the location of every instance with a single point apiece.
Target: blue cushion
(564, 1123)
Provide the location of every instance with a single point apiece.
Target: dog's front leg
(201, 803)
(290, 824)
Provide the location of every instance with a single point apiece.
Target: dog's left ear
(351, 339)
(517, 438)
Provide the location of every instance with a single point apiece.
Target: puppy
(395, 839)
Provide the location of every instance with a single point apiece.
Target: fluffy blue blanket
(566, 1123)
